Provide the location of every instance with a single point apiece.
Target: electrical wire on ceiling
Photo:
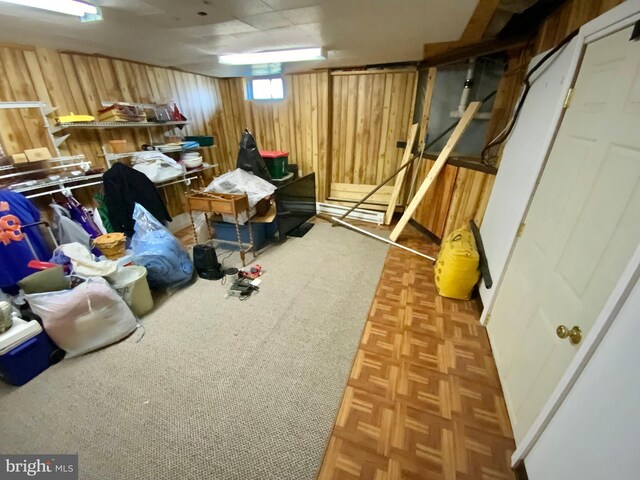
(504, 134)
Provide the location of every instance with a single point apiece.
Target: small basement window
(265, 89)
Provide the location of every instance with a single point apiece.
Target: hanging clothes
(82, 216)
(103, 212)
(123, 188)
(66, 230)
(15, 252)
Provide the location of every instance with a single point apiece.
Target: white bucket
(131, 283)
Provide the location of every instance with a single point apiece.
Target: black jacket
(123, 187)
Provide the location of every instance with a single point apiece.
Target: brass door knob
(575, 334)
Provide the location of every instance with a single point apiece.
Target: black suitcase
(206, 262)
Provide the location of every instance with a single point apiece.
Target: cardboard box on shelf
(37, 154)
(19, 158)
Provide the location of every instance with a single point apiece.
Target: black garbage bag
(249, 158)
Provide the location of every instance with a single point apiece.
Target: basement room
(319, 239)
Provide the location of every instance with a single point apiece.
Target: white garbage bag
(83, 263)
(88, 317)
(157, 166)
(239, 182)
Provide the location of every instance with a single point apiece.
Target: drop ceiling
(189, 34)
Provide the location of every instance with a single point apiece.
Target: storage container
(131, 283)
(203, 140)
(262, 232)
(27, 360)
(276, 162)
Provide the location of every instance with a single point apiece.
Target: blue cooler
(25, 352)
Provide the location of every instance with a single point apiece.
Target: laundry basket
(131, 283)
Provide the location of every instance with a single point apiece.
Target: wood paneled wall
(471, 189)
(299, 124)
(371, 113)
(78, 83)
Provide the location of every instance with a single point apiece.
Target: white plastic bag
(83, 262)
(83, 319)
(157, 166)
(239, 182)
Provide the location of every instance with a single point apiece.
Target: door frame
(618, 18)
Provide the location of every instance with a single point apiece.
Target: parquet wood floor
(423, 400)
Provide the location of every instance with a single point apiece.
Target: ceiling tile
(288, 4)
(242, 8)
(137, 7)
(267, 21)
(223, 28)
(304, 15)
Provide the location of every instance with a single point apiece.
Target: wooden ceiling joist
(479, 21)
(472, 43)
(460, 52)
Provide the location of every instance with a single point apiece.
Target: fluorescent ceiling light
(69, 7)
(278, 56)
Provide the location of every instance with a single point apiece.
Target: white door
(595, 433)
(523, 160)
(581, 228)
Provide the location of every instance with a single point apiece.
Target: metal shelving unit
(110, 125)
(45, 111)
(44, 162)
(65, 162)
(61, 183)
(112, 157)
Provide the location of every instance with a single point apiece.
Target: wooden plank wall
(371, 113)
(471, 189)
(78, 83)
(299, 124)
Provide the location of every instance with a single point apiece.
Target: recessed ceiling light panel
(277, 56)
(83, 10)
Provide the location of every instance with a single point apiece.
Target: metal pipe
(382, 239)
(468, 84)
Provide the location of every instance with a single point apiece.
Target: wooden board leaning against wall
(79, 83)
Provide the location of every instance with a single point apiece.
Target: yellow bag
(456, 268)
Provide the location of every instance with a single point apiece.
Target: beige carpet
(217, 388)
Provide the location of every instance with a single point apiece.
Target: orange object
(112, 245)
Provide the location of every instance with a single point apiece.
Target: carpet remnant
(217, 388)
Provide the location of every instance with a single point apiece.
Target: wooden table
(222, 203)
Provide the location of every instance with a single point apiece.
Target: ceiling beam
(463, 51)
(479, 21)
(473, 32)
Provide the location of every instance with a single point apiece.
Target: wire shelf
(107, 125)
